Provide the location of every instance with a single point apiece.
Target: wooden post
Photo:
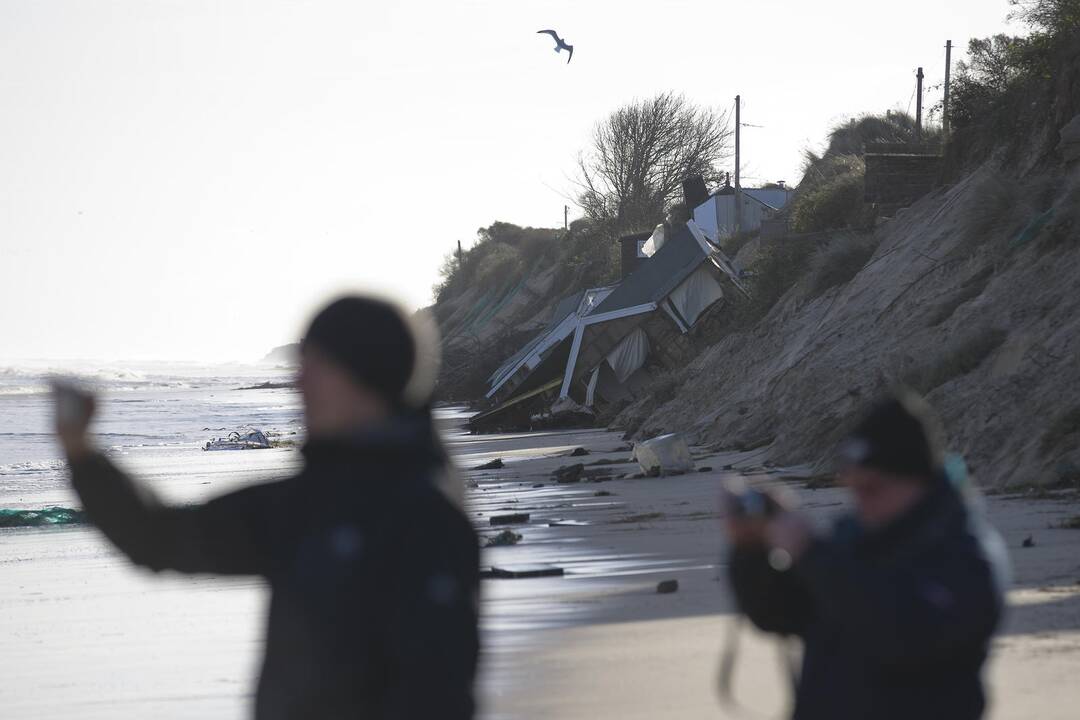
(945, 102)
(918, 106)
(565, 217)
(738, 157)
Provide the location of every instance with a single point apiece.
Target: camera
(750, 503)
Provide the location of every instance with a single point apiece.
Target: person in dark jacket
(897, 606)
(373, 570)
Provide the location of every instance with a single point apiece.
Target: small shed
(758, 205)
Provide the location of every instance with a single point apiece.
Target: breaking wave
(41, 518)
(23, 389)
(33, 468)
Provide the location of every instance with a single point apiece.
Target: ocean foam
(32, 468)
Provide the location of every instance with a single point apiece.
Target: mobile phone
(74, 405)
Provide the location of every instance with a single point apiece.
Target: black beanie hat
(898, 435)
(383, 348)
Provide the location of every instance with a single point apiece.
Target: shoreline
(597, 642)
(601, 642)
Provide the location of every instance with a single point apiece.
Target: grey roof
(657, 276)
(564, 307)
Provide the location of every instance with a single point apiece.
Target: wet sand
(608, 646)
(88, 636)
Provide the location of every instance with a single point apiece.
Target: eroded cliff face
(481, 329)
(972, 297)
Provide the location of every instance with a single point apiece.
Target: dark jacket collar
(939, 512)
(406, 440)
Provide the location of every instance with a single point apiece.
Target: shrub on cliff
(831, 195)
(501, 254)
(1008, 85)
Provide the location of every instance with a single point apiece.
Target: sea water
(157, 414)
(85, 634)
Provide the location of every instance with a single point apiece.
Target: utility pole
(738, 157)
(918, 106)
(565, 217)
(945, 102)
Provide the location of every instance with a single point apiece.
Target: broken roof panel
(564, 307)
(565, 318)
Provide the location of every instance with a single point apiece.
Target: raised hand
(73, 410)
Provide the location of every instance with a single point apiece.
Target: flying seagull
(560, 44)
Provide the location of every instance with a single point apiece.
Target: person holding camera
(897, 605)
(373, 569)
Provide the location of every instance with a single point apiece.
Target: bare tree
(632, 175)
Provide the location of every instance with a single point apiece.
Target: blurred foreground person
(373, 571)
(895, 607)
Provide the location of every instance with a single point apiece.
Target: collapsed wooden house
(603, 345)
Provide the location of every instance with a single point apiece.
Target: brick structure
(898, 174)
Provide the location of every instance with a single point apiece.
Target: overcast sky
(187, 180)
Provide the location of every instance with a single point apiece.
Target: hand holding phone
(749, 511)
(74, 409)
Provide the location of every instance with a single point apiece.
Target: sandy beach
(88, 636)
(621, 650)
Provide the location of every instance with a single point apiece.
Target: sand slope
(955, 301)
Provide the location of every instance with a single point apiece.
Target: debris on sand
(10, 518)
(495, 464)
(664, 455)
(577, 452)
(666, 587)
(251, 439)
(818, 482)
(511, 519)
(522, 571)
(569, 474)
(270, 385)
(639, 518)
(1029, 541)
(602, 493)
(503, 539)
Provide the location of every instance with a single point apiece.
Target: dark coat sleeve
(228, 535)
(432, 636)
(775, 601)
(909, 614)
